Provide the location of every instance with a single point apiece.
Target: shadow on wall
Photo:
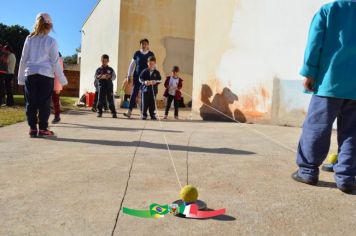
(221, 102)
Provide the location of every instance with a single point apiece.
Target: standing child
(3, 71)
(137, 65)
(149, 79)
(106, 75)
(56, 93)
(9, 76)
(173, 85)
(329, 70)
(39, 63)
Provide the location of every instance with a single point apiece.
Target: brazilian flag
(157, 209)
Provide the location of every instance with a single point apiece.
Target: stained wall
(241, 48)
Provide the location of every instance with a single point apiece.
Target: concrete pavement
(74, 184)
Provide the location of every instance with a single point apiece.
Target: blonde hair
(41, 27)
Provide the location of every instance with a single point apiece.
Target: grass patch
(13, 115)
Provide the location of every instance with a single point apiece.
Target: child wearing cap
(39, 63)
(329, 70)
(173, 85)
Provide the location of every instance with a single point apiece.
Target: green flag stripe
(138, 213)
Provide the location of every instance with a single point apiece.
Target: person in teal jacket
(330, 74)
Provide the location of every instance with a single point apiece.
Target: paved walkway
(75, 184)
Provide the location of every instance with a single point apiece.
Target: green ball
(189, 193)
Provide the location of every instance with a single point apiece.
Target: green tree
(71, 60)
(14, 36)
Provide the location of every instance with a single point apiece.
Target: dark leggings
(170, 99)
(38, 94)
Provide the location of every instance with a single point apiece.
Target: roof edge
(91, 13)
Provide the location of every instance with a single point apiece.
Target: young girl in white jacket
(39, 63)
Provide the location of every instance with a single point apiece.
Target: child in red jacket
(173, 85)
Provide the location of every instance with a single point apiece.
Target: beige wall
(100, 36)
(236, 49)
(170, 27)
(242, 45)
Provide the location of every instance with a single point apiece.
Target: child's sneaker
(144, 118)
(114, 115)
(33, 133)
(153, 118)
(45, 133)
(56, 120)
(128, 114)
(99, 115)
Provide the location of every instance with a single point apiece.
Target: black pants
(6, 81)
(170, 99)
(106, 92)
(38, 94)
(96, 100)
(148, 103)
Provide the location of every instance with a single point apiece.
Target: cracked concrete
(75, 184)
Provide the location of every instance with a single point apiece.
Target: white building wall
(100, 36)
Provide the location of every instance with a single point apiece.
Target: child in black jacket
(149, 79)
(105, 76)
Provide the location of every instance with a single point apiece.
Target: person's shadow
(325, 184)
(219, 108)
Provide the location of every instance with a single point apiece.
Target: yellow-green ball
(332, 158)
(189, 193)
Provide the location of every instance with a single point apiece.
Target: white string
(250, 128)
(165, 139)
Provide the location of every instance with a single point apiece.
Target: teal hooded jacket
(330, 56)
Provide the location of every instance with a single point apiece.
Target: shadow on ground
(111, 128)
(175, 147)
(324, 184)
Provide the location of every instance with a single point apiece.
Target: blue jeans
(315, 140)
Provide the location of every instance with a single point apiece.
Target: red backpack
(3, 61)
